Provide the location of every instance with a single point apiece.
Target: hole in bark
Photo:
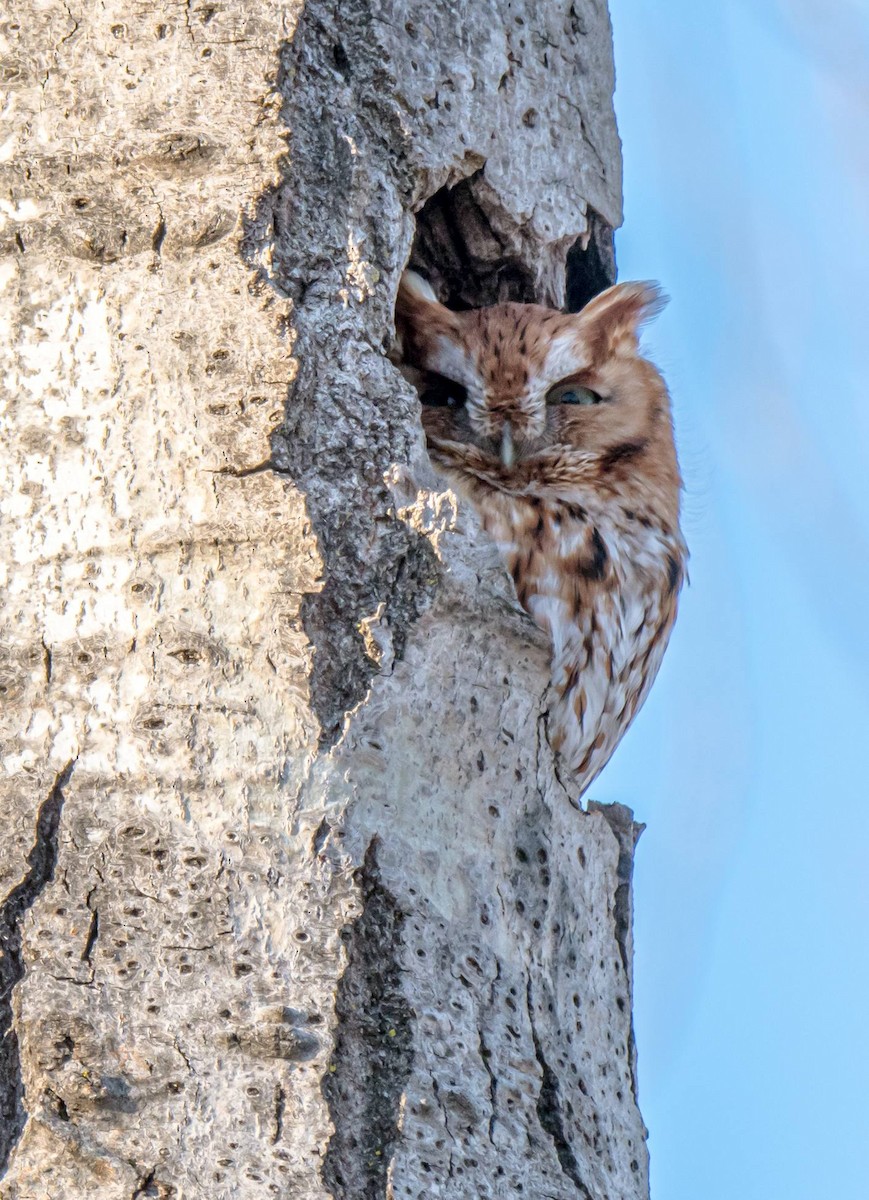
(56, 1104)
(460, 253)
(592, 268)
(460, 250)
(339, 57)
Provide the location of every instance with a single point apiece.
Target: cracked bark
(315, 849)
(549, 1109)
(371, 1061)
(628, 832)
(41, 862)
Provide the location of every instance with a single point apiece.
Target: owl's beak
(508, 452)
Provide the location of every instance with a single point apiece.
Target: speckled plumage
(581, 497)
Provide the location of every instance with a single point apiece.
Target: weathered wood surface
(295, 904)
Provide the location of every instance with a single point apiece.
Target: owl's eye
(572, 393)
(441, 392)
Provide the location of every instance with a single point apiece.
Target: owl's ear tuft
(419, 320)
(612, 320)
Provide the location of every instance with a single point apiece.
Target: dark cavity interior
(469, 263)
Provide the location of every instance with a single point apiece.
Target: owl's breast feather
(604, 586)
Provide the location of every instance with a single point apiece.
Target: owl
(559, 433)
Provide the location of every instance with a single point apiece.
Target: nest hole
(591, 268)
(459, 249)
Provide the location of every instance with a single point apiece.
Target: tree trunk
(295, 904)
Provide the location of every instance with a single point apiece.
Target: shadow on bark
(347, 181)
(347, 420)
(373, 1047)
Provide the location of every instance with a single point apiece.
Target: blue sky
(746, 147)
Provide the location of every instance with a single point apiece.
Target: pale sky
(745, 126)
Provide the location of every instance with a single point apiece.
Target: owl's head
(520, 386)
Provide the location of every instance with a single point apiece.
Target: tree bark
(295, 903)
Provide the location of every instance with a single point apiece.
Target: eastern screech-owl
(559, 432)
